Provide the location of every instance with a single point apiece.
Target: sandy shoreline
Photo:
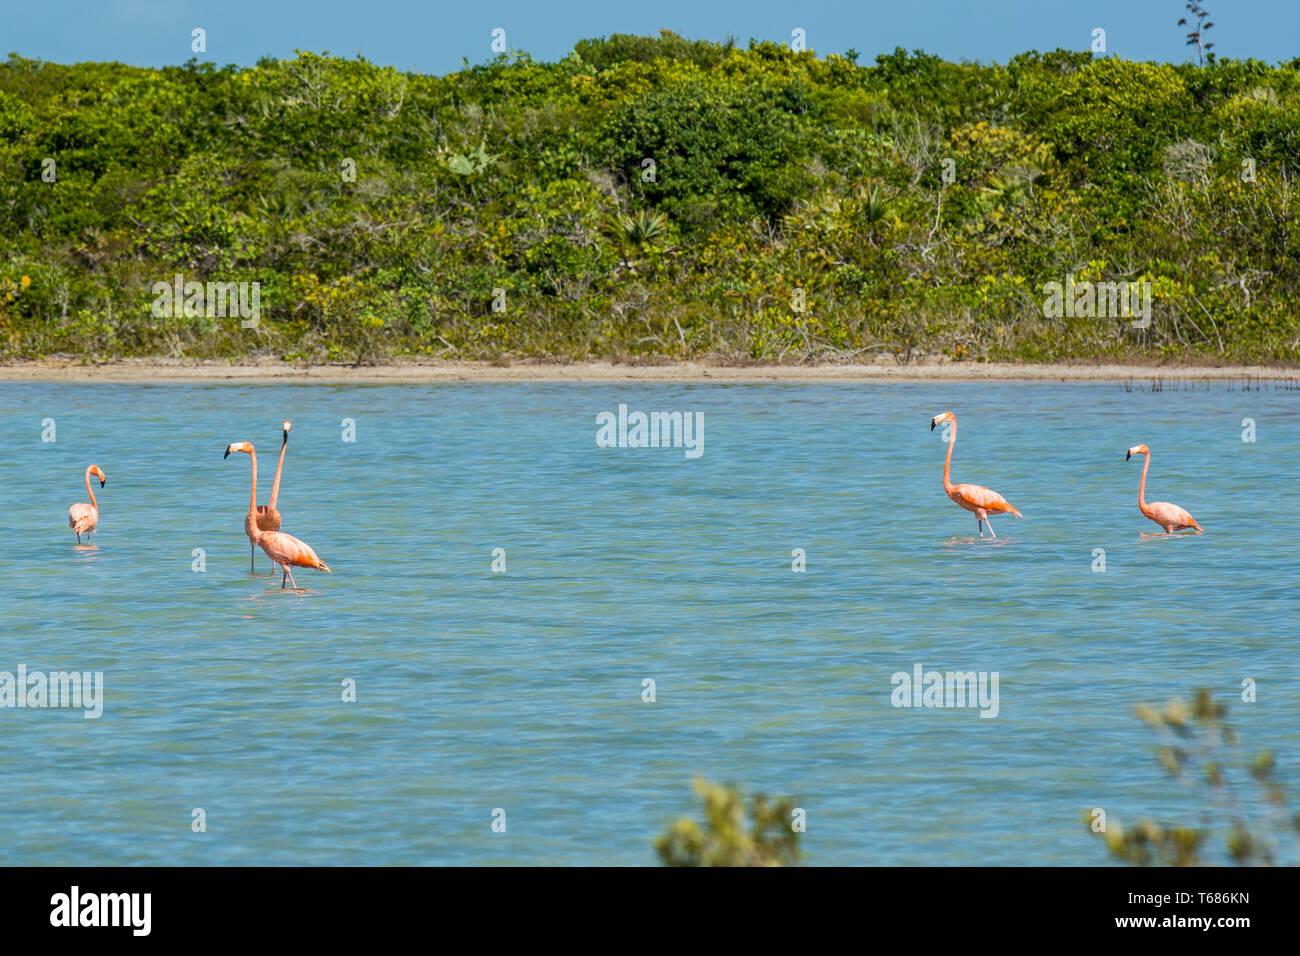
(159, 372)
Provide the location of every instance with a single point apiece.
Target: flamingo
(971, 497)
(268, 519)
(283, 549)
(1170, 517)
(83, 517)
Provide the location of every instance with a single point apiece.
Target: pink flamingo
(268, 519)
(82, 517)
(1170, 517)
(283, 549)
(974, 498)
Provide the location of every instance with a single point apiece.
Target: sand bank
(162, 372)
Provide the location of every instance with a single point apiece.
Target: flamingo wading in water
(976, 498)
(83, 517)
(268, 519)
(1170, 517)
(284, 549)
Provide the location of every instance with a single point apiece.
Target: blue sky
(431, 36)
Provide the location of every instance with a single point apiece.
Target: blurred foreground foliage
(653, 199)
(1199, 749)
(730, 836)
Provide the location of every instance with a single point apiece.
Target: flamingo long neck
(947, 464)
(252, 499)
(275, 488)
(93, 503)
(1142, 485)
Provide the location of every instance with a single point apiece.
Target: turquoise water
(522, 690)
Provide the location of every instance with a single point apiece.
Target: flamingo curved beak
(227, 454)
(103, 482)
(1129, 455)
(932, 421)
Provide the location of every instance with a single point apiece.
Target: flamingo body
(1170, 517)
(974, 498)
(285, 549)
(83, 518)
(977, 498)
(268, 519)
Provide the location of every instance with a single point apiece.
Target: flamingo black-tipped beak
(932, 424)
(103, 482)
(1128, 456)
(227, 454)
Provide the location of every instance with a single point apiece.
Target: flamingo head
(286, 426)
(941, 418)
(103, 478)
(1137, 450)
(245, 446)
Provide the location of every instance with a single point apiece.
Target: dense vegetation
(1201, 750)
(653, 198)
(764, 834)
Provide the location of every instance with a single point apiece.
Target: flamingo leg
(78, 537)
(289, 575)
(992, 533)
(252, 558)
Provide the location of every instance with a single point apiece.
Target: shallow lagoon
(523, 690)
